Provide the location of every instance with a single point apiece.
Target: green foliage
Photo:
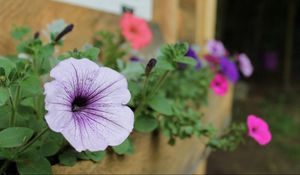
(3, 96)
(14, 137)
(111, 48)
(31, 86)
(7, 65)
(18, 33)
(145, 123)
(165, 98)
(161, 104)
(230, 139)
(94, 156)
(89, 52)
(36, 165)
(52, 144)
(184, 123)
(68, 158)
(125, 148)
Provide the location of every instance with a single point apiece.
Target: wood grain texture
(193, 21)
(166, 14)
(38, 13)
(206, 11)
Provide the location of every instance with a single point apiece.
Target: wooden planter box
(154, 155)
(152, 152)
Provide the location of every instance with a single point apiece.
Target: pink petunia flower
(219, 85)
(245, 65)
(215, 48)
(136, 31)
(87, 104)
(258, 129)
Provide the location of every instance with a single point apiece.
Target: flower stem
(144, 95)
(160, 82)
(26, 146)
(12, 119)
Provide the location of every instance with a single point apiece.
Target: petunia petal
(72, 68)
(110, 87)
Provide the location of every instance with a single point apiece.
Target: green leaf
(5, 112)
(181, 48)
(92, 53)
(31, 86)
(14, 136)
(3, 96)
(161, 104)
(19, 33)
(133, 70)
(134, 88)
(5, 153)
(52, 144)
(145, 123)
(34, 166)
(46, 51)
(163, 64)
(28, 102)
(7, 65)
(122, 148)
(95, 156)
(186, 60)
(68, 158)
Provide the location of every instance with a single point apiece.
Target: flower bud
(68, 29)
(151, 64)
(36, 35)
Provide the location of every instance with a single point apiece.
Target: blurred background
(266, 30)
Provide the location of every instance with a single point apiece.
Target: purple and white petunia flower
(87, 104)
(245, 65)
(215, 48)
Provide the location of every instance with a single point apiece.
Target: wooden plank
(205, 20)
(187, 21)
(166, 14)
(38, 13)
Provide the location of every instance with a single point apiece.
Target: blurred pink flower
(245, 65)
(215, 48)
(136, 31)
(258, 129)
(219, 85)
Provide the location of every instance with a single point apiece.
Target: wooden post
(206, 11)
(166, 15)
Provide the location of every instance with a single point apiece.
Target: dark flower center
(78, 103)
(218, 83)
(133, 30)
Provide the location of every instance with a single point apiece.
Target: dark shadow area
(269, 32)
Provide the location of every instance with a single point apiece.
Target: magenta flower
(219, 85)
(87, 104)
(245, 65)
(215, 48)
(258, 129)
